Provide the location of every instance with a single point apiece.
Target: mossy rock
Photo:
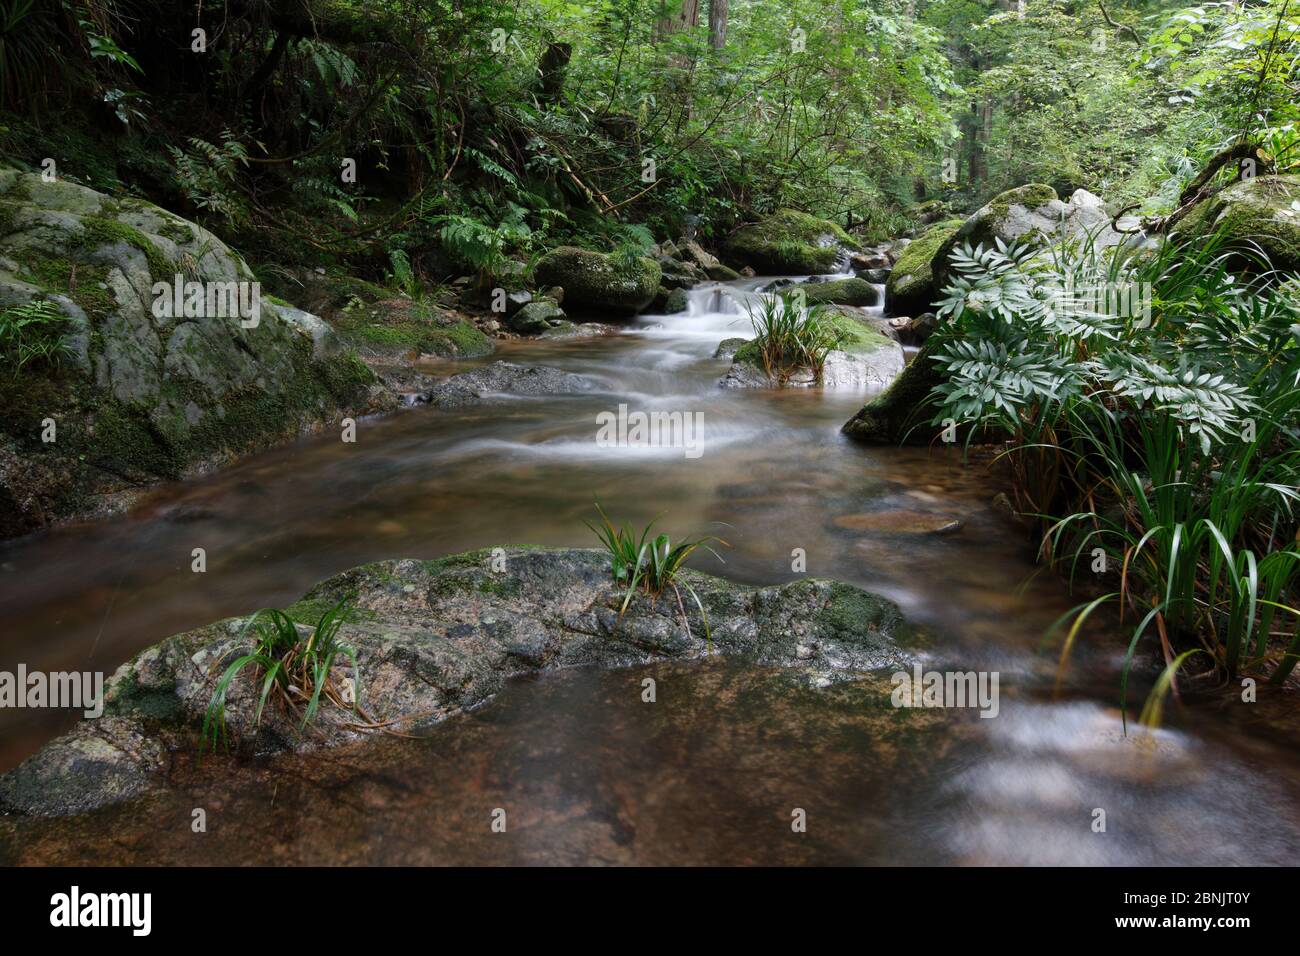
(594, 282)
(899, 415)
(911, 288)
(536, 317)
(788, 242)
(145, 395)
(865, 358)
(1253, 216)
(839, 292)
(392, 327)
(1031, 214)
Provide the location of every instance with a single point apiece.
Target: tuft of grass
(790, 338)
(652, 564)
(293, 668)
(1163, 453)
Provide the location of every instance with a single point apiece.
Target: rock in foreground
(436, 637)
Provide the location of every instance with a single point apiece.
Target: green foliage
(653, 564)
(1166, 437)
(790, 338)
(295, 669)
(206, 174)
(32, 332)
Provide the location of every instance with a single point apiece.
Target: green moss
(912, 286)
(839, 292)
(1031, 196)
(595, 281)
(789, 241)
(126, 443)
(856, 336)
(313, 607)
(858, 617)
(1253, 216)
(156, 702)
(104, 230)
(461, 340)
(899, 413)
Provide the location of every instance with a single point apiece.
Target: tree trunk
(717, 24)
(550, 71)
(687, 15)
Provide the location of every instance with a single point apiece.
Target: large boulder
(1032, 214)
(144, 393)
(910, 288)
(840, 292)
(1253, 215)
(900, 414)
(434, 638)
(595, 282)
(788, 243)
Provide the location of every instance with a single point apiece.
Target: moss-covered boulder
(788, 242)
(900, 414)
(839, 292)
(146, 391)
(392, 328)
(436, 638)
(1032, 214)
(1254, 215)
(594, 282)
(910, 288)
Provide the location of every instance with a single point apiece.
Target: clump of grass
(293, 667)
(32, 332)
(652, 564)
(790, 338)
(1160, 447)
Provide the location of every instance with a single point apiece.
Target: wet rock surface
(502, 379)
(434, 638)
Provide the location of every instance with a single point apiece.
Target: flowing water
(587, 772)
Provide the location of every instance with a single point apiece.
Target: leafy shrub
(1162, 439)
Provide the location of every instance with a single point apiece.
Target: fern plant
(32, 332)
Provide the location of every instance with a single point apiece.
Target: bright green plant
(294, 667)
(32, 332)
(789, 338)
(1161, 439)
(652, 564)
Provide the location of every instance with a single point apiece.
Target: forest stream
(589, 772)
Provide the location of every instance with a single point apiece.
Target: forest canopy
(480, 128)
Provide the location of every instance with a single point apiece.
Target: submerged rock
(436, 637)
(788, 242)
(504, 379)
(146, 394)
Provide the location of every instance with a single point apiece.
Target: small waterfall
(713, 300)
